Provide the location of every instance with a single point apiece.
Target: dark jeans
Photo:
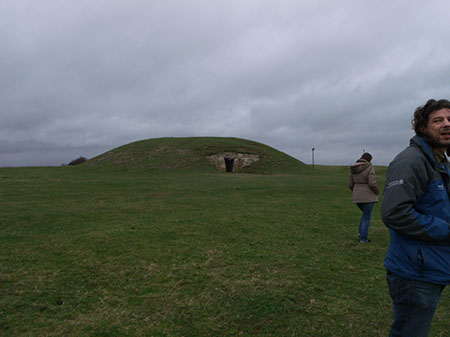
(414, 305)
(364, 224)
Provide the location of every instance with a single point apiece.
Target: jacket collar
(429, 152)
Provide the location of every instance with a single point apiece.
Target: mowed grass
(86, 252)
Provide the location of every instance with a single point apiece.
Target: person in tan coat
(363, 183)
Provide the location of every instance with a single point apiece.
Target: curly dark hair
(422, 113)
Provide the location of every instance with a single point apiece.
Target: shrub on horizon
(78, 161)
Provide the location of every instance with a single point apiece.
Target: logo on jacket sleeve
(395, 183)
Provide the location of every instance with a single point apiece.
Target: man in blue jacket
(416, 208)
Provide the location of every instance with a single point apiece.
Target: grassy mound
(191, 154)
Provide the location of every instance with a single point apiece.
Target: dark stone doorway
(229, 163)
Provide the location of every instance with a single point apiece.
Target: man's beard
(436, 142)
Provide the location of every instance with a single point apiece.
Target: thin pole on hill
(313, 157)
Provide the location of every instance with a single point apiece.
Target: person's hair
(366, 156)
(422, 113)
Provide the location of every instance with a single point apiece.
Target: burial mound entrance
(231, 161)
(229, 164)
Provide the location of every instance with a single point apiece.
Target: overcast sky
(78, 78)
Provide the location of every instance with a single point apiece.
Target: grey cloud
(337, 76)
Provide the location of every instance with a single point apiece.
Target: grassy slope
(85, 252)
(190, 154)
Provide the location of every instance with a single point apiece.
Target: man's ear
(422, 129)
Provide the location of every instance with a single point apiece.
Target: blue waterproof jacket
(416, 208)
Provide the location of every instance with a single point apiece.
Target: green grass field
(91, 252)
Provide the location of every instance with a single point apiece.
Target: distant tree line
(77, 161)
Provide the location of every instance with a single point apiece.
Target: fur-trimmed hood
(359, 166)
